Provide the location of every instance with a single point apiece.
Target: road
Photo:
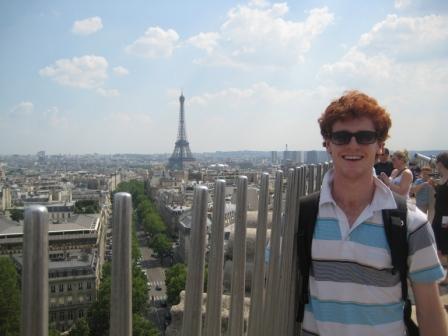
(156, 278)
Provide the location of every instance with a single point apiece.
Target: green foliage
(99, 312)
(53, 332)
(142, 327)
(9, 298)
(80, 328)
(161, 244)
(87, 207)
(16, 214)
(135, 188)
(175, 278)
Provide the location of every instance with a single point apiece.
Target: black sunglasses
(362, 137)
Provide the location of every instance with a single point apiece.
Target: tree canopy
(175, 278)
(9, 298)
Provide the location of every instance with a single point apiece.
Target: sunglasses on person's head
(362, 137)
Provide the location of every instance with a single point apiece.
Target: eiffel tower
(182, 152)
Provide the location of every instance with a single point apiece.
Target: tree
(16, 214)
(87, 207)
(161, 245)
(175, 278)
(99, 312)
(143, 327)
(80, 328)
(9, 298)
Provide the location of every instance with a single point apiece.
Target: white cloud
(155, 43)
(23, 109)
(108, 92)
(87, 26)
(259, 34)
(85, 72)
(56, 119)
(401, 4)
(266, 115)
(120, 71)
(206, 41)
(408, 37)
(395, 50)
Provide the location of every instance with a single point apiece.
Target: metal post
(258, 276)
(311, 178)
(216, 261)
(121, 286)
(272, 289)
(192, 319)
(35, 272)
(319, 175)
(286, 285)
(236, 321)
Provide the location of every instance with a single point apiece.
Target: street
(155, 274)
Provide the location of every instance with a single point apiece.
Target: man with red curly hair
(353, 287)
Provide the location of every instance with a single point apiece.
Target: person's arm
(431, 316)
(416, 187)
(405, 182)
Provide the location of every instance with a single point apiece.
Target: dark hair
(354, 105)
(443, 159)
(386, 151)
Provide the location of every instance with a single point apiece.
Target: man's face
(384, 157)
(353, 160)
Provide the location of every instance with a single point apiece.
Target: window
(52, 316)
(61, 316)
(80, 313)
(80, 285)
(89, 285)
(90, 298)
(69, 287)
(53, 288)
(61, 287)
(70, 315)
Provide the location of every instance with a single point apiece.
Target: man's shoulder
(415, 217)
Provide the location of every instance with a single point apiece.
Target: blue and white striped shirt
(353, 289)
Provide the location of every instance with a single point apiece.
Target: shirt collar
(382, 198)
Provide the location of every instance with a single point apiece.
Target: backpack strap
(396, 234)
(309, 207)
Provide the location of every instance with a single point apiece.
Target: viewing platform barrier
(273, 284)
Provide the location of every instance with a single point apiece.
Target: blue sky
(104, 77)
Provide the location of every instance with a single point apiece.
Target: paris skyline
(89, 78)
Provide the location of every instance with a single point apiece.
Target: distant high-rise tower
(182, 152)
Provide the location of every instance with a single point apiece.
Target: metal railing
(34, 320)
(273, 287)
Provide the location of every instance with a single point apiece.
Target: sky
(82, 76)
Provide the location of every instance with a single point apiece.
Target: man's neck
(353, 195)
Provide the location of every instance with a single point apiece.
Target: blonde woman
(400, 180)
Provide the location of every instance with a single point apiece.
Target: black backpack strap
(396, 234)
(308, 209)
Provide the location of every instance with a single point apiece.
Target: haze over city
(90, 77)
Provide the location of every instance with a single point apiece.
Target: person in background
(384, 165)
(423, 189)
(440, 221)
(400, 179)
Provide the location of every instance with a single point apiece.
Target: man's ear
(326, 144)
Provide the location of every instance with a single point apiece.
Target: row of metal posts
(272, 290)
(34, 319)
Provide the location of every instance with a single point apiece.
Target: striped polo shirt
(353, 289)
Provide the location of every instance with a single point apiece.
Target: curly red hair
(353, 105)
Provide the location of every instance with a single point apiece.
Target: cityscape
(146, 100)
